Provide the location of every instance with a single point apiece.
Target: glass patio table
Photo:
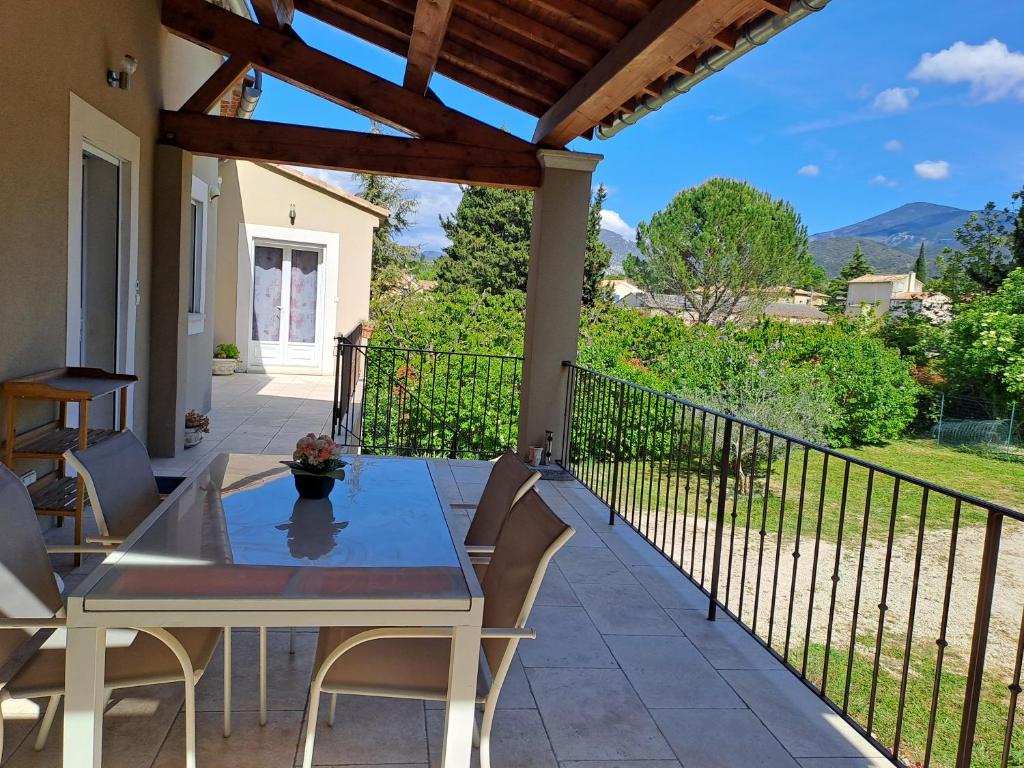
(234, 546)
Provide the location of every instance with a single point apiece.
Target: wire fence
(978, 422)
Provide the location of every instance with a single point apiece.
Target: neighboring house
(655, 303)
(796, 314)
(877, 291)
(619, 288)
(293, 266)
(787, 295)
(936, 307)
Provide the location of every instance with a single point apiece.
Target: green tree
(598, 255)
(837, 288)
(985, 349)
(921, 266)
(722, 245)
(392, 194)
(490, 241)
(990, 247)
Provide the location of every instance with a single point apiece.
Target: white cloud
(882, 181)
(893, 145)
(717, 118)
(810, 171)
(894, 99)
(612, 220)
(932, 170)
(993, 70)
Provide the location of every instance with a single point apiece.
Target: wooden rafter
(428, 31)
(274, 13)
(282, 55)
(726, 38)
(646, 52)
(373, 31)
(778, 7)
(210, 93)
(228, 137)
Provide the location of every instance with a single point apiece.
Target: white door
(287, 305)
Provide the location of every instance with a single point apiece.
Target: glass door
(287, 305)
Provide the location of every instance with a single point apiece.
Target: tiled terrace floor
(626, 673)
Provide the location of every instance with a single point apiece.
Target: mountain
(891, 239)
(620, 248)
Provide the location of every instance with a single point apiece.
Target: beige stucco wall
(48, 50)
(254, 194)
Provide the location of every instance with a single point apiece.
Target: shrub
(226, 352)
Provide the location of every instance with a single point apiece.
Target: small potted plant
(196, 425)
(316, 464)
(225, 359)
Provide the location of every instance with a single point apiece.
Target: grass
(992, 711)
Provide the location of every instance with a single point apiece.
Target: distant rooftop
(880, 278)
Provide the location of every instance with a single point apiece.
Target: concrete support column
(172, 227)
(554, 291)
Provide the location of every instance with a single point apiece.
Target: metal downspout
(751, 37)
(250, 93)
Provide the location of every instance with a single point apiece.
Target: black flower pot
(314, 486)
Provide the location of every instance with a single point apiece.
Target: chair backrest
(28, 589)
(529, 539)
(119, 478)
(509, 480)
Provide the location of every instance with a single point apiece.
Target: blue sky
(860, 108)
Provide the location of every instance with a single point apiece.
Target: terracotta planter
(224, 366)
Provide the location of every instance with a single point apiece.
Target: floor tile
(594, 714)
(669, 587)
(721, 738)
(371, 730)
(249, 744)
(804, 724)
(723, 642)
(565, 638)
(620, 764)
(845, 762)
(518, 739)
(668, 672)
(624, 609)
(589, 565)
(555, 590)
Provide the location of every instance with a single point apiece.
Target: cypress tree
(921, 266)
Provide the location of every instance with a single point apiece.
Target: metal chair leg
(227, 682)
(46, 723)
(291, 640)
(263, 676)
(311, 716)
(333, 710)
(485, 734)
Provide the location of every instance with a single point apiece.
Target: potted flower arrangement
(196, 425)
(225, 359)
(316, 464)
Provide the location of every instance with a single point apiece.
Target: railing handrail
(419, 350)
(893, 473)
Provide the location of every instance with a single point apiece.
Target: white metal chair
(508, 482)
(413, 663)
(30, 603)
(122, 491)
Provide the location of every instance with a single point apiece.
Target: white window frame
(198, 251)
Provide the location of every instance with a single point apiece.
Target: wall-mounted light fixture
(123, 79)
(291, 213)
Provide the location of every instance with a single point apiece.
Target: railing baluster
(723, 492)
(778, 542)
(762, 531)
(727, 448)
(814, 563)
(746, 530)
(835, 579)
(857, 589)
(883, 606)
(796, 553)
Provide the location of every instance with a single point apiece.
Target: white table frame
(87, 628)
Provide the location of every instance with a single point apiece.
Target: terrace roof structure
(577, 66)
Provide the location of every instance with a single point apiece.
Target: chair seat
(414, 668)
(145, 661)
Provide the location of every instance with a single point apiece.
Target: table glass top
(239, 529)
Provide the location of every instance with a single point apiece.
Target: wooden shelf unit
(55, 494)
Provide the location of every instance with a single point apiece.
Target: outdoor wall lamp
(123, 78)
(291, 213)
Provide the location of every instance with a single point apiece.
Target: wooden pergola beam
(274, 13)
(646, 52)
(778, 7)
(228, 137)
(284, 56)
(219, 84)
(428, 30)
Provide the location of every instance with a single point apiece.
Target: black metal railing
(419, 402)
(897, 600)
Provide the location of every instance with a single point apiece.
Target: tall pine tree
(490, 243)
(921, 266)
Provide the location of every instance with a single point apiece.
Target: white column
(554, 291)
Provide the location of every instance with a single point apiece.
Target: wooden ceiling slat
(393, 40)
(581, 17)
(428, 31)
(274, 13)
(228, 137)
(291, 60)
(778, 7)
(526, 28)
(649, 50)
